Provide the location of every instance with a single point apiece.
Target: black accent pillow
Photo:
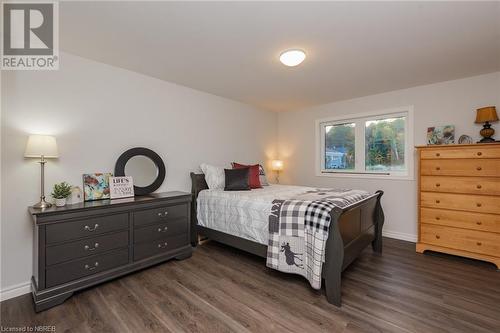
(237, 179)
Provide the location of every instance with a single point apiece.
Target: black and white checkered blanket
(298, 231)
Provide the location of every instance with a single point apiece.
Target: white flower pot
(61, 202)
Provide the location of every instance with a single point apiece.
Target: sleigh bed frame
(352, 229)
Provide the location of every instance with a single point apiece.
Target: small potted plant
(60, 192)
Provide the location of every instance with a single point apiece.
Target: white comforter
(243, 213)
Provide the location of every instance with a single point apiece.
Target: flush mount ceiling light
(292, 58)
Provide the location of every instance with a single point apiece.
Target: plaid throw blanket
(298, 231)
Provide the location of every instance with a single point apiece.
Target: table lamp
(277, 165)
(42, 147)
(486, 115)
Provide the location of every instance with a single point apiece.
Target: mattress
(243, 213)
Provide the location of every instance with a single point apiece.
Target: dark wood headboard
(198, 184)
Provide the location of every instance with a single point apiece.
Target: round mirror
(142, 169)
(144, 166)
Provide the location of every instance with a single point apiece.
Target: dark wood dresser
(81, 245)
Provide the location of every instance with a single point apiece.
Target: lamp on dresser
(42, 147)
(486, 115)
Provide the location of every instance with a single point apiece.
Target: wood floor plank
(252, 319)
(221, 289)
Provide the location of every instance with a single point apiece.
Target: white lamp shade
(41, 145)
(277, 165)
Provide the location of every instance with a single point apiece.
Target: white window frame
(359, 169)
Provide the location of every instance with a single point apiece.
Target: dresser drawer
(60, 232)
(159, 231)
(461, 239)
(159, 215)
(160, 246)
(450, 167)
(86, 247)
(472, 185)
(465, 202)
(466, 220)
(83, 267)
(459, 152)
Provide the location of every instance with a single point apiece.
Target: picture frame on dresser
(459, 200)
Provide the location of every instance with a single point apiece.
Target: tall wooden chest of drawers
(459, 200)
(81, 245)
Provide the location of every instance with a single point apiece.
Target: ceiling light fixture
(292, 58)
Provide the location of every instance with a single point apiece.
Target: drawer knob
(478, 204)
(438, 154)
(438, 237)
(161, 246)
(479, 168)
(478, 186)
(438, 218)
(87, 228)
(88, 248)
(162, 229)
(479, 222)
(437, 184)
(438, 201)
(479, 243)
(89, 268)
(438, 168)
(479, 153)
(163, 214)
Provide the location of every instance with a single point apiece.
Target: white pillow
(214, 176)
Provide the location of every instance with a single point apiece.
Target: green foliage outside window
(340, 139)
(385, 144)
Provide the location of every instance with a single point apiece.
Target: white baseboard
(15, 290)
(400, 235)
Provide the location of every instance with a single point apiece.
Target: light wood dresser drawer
(458, 167)
(469, 185)
(461, 239)
(466, 220)
(465, 202)
(470, 153)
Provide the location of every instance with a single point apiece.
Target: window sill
(364, 176)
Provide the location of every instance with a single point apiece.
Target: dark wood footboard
(352, 229)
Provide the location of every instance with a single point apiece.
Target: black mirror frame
(140, 151)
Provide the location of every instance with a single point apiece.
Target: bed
(240, 219)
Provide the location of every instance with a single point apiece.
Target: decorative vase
(61, 202)
(487, 132)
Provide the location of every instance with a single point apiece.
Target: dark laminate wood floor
(221, 289)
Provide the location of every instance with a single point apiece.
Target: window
(339, 146)
(375, 144)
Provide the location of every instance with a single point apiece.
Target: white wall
(452, 102)
(96, 112)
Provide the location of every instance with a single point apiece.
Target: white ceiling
(231, 49)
